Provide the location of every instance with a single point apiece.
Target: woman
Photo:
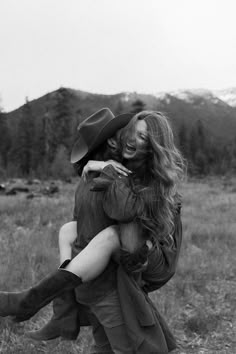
(150, 198)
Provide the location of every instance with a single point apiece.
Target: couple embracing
(123, 242)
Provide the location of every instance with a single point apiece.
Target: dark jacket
(146, 327)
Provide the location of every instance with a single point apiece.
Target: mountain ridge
(215, 109)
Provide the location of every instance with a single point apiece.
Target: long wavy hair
(159, 175)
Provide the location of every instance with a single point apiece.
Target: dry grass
(199, 303)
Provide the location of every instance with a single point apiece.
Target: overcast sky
(109, 46)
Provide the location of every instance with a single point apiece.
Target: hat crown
(92, 125)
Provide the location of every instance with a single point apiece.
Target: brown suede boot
(24, 304)
(64, 322)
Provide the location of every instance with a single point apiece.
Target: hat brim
(80, 148)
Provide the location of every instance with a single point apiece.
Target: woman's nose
(132, 139)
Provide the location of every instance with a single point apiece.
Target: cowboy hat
(95, 130)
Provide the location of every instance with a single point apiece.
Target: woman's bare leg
(93, 259)
(131, 236)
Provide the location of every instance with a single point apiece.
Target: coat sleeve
(163, 258)
(120, 202)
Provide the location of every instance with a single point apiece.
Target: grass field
(199, 303)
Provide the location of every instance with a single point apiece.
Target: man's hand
(137, 261)
(98, 166)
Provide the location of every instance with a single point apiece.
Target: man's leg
(109, 314)
(101, 343)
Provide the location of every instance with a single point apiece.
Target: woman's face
(135, 141)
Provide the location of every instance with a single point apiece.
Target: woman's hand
(92, 165)
(98, 166)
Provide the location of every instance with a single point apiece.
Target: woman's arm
(98, 166)
(120, 202)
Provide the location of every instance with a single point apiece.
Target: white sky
(109, 46)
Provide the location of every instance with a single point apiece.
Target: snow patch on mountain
(126, 96)
(191, 96)
(228, 96)
(163, 96)
(197, 96)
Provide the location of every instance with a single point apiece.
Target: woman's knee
(112, 235)
(68, 232)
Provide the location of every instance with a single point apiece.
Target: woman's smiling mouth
(130, 147)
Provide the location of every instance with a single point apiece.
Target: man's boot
(64, 322)
(24, 304)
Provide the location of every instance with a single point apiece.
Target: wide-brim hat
(95, 130)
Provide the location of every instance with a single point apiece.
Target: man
(102, 295)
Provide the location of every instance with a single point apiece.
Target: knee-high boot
(24, 304)
(65, 321)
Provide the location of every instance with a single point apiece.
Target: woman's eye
(144, 138)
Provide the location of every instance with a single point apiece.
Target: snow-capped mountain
(227, 95)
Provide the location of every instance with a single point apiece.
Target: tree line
(41, 147)
(38, 147)
(206, 154)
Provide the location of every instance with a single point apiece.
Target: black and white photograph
(118, 176)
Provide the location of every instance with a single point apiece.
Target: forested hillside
(36, 139)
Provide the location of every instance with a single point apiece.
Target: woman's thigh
(131, 236)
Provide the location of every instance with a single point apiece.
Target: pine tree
(201, 136)
(23, 150)
(193, 143)
(198, 149)
(5, 143)
(137, 106)
(59, 125)
(183, 140)
(201, 162)
(40, 147)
